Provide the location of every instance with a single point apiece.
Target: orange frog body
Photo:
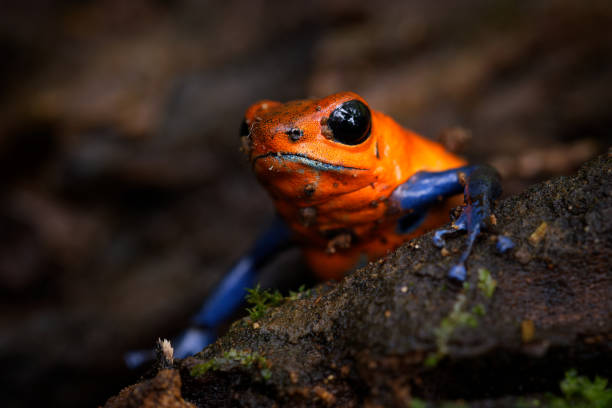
(332, 186)
(349, 184)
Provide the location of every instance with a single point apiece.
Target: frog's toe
(438, 238)
(460, 224)
(472, 219)
(458, 273)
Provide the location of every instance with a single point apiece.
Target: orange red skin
(317, 203)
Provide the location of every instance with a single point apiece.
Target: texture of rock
(163, 391)
(397, 329)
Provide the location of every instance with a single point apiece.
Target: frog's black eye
(244, 128)
(350, 123)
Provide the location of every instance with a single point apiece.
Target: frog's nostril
(295, 134)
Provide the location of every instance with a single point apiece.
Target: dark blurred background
(123, 193)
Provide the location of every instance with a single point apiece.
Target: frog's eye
(350, 123)
(244, 128)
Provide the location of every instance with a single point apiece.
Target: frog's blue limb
(226, 298)
(482, 187)
(504, 243)
(471, 220)
(426, 188)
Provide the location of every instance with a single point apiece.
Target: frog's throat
(307, 161)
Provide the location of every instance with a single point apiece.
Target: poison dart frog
(349, 184)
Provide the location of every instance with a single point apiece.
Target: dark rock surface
(368, 338)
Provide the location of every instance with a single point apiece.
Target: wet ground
(125, 197)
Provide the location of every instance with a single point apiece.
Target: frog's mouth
(307, 161)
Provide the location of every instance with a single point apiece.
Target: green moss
(262, 300)
(265, 373)
(433, 359)
(201, 369)
(486, 283)
(418, 403)
(457, 318)
(580, 392)
(479, 310)
(232, 359)
(301, 293)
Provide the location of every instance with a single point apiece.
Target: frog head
(312, 150)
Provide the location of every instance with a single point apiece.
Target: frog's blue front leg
(225, 299)
(481, 186)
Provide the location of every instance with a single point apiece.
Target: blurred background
(123, 194)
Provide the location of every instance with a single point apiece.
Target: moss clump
(200, 369)
(302, 293)
(580, 392)
(457, 318)
(262, 300)
(232, 359)
(486, 283)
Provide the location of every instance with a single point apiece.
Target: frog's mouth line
(307, 161)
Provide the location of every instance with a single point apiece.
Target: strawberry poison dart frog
(349, 184)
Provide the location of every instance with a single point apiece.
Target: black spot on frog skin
(310, 189)
(295, 134)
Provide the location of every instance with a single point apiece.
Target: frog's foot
(471, 220)
(190, 342)
(481, 190)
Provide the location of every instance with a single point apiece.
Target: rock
(163, 391)
(389, 332)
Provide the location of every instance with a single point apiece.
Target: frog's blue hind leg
(481, 186)
(225, 299)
